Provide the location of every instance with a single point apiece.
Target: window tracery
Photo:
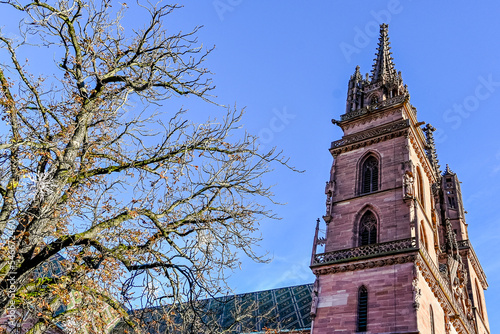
(368, 229)
(369, 175)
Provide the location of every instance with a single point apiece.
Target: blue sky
(294, 58)
(288, 63)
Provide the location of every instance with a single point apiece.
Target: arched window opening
(431, 312)
(369, 175)
(420, 181)
(362, 309)
(423, 236)
(479, 300)
(368, 229)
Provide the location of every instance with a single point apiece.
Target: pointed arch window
(368, 229)
(362, 324)
(369, 175)
(431, 313)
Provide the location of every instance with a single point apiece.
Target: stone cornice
(363, 264)
(367, 118)
(370, 136)
(356, 196)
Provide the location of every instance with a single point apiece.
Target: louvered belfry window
(369, 177)
(362, 309)
(368, 229)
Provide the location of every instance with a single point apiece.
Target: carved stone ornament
(447, 325)
(315, 298)
(417, 293)
(328, 202)
(408, 181)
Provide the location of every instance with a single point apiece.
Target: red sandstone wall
(390, 300)
(387, 204)
(426, 301)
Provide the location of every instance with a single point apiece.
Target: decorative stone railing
(367, 251)
(355, 113)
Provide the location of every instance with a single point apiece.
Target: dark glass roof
(50, 268)
(285, 309)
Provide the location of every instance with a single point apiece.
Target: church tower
(395, 257)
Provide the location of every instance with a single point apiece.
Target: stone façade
(417, 270)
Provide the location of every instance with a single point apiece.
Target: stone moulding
(364, 264)
(364, 252)
(440, 286)
(365, 110)
(367, 137)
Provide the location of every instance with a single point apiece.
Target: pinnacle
(383, 68)
(357, 75)
(448, 170)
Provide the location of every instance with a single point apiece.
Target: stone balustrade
(384, 248)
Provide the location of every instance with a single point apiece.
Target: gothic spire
(383, 68)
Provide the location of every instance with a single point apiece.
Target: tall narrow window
(362, 309)
(420, 183)
(451, 202)
(479, 300)
(369, 175)
(431, 315)
(368, 229)
(423, 236)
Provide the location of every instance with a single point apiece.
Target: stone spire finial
(448, 171)
(357, 74)
(383, 68)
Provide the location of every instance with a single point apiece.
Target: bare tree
(142, 207)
